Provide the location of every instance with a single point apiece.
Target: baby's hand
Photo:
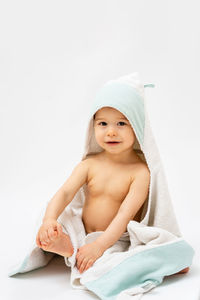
(48, 230)
(87, 255)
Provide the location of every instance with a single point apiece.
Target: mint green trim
(21, 268)
(149, 85)
(148, 265)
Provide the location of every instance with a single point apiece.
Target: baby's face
(111, 125)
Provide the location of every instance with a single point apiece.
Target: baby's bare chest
(108, 181)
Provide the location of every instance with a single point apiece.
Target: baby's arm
(59, 201)
(67, 191)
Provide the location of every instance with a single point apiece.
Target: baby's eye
(123, 123)
(101, 122)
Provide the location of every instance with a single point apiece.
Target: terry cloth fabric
(150, 249)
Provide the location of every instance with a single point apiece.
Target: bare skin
(56, 240)
(100, 199)
(60, 244)
(105, 191)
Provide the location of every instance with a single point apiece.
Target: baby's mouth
(113, 143)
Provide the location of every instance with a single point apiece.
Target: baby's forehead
(109, 112)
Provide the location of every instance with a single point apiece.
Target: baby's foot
(184, 271)
(60, 244)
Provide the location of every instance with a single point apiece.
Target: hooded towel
(154, 247)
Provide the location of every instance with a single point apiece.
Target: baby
(117, 182)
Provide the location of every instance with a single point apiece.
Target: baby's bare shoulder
(89, 161)
(141, 170)
(92, 157)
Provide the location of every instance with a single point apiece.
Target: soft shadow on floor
(50, 282)
(54, 267)
(194, 272)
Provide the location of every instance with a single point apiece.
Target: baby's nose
(111, 131)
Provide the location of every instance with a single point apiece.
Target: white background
(54, 55)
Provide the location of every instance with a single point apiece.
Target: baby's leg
(60, 245)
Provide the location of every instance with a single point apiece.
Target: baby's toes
(45, 243)
(54, 236)
(44, 246)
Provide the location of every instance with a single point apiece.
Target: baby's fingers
(59, 229)
(83, 265)
(89, 264)
(38, 241)
(44, 237)
(51, 233)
